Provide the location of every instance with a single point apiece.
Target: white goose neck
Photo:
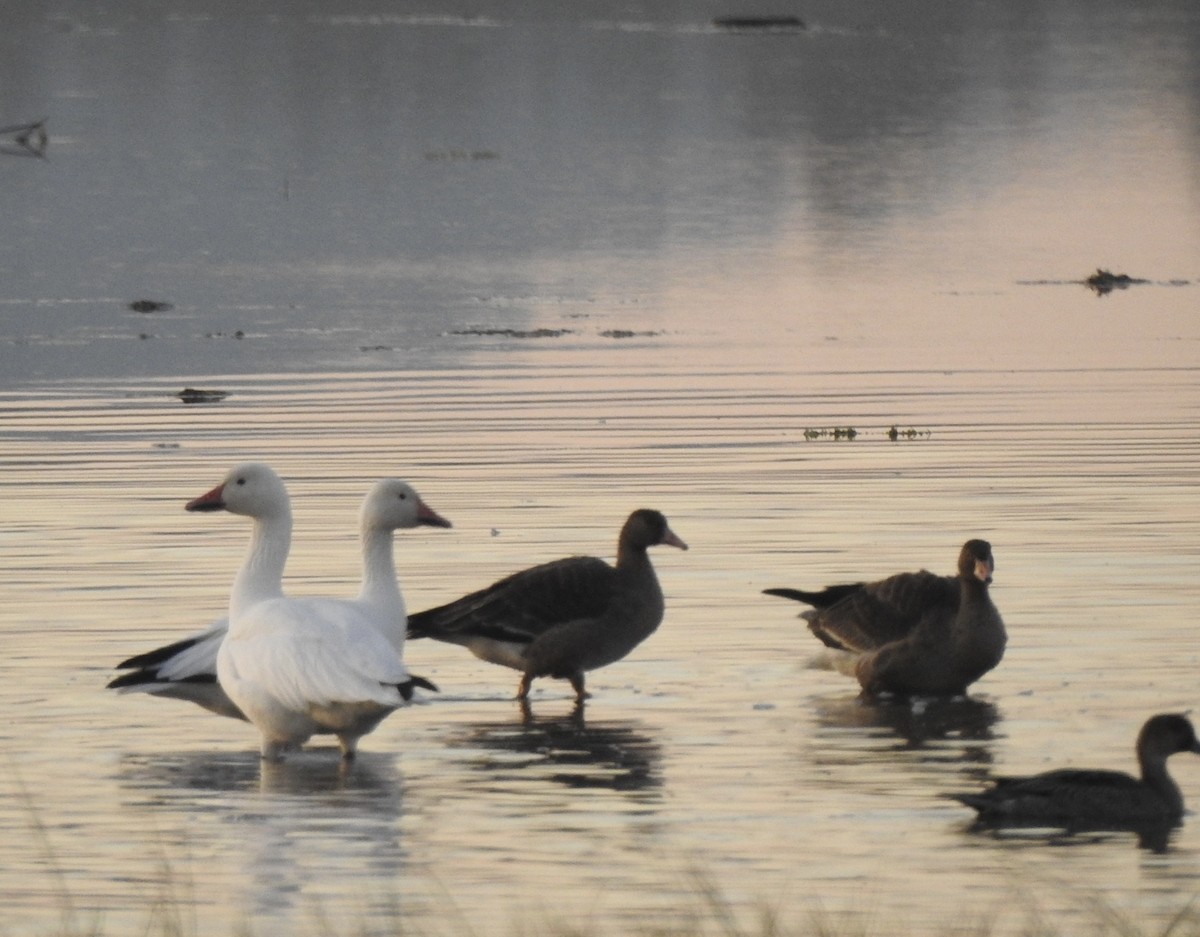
(379, 585)
(261, 575)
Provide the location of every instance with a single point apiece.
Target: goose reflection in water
(300, 830)
(180, 777)
(1152, 835)
(929, 724)
(568, 750)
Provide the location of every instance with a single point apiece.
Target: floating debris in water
(150, 305)
(196, 395)
(896, 433)
(1105, 281)
(760, 23)
(835, 432)
(514, 333)
(25, 139)
(627, 333)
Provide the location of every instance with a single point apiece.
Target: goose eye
(241, 481)
(403, 496)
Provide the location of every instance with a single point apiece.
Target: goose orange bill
(212, 501)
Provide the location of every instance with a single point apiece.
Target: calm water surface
(552, 267)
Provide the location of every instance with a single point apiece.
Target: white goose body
(187, 669)
(299, 667)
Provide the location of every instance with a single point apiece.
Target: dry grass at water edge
(172, 912)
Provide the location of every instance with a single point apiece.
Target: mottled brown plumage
(913, 633)
(562, 618)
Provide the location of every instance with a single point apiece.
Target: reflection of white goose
(321, 827)
(187, 669)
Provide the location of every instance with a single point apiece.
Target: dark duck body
(1096, 798)
(913, 633)
(563, 618)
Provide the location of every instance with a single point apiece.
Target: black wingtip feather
(409, 686)
(157, 656)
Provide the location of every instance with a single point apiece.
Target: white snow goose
(188, 669)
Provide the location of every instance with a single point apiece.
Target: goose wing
(524, 605)
(864, 616)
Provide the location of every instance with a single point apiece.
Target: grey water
(552, 263)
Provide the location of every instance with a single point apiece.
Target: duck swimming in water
(1096, 798)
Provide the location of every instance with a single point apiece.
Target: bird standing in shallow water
(301, 667)
(913, 633)
(563, 618)
(187, 669)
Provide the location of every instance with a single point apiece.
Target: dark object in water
(834, 432)
(1105, 281)
(912, 634)
(195, 395)
(26, 139)
(514, 333)
(150, 305)
(1097, 799)
(911, 433)
(563, 618)
(789, 23)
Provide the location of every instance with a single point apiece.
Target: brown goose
(913, 633)
(1093, 798)
(562, 618)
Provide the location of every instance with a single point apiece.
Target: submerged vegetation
(910, 433)
(894, 433)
